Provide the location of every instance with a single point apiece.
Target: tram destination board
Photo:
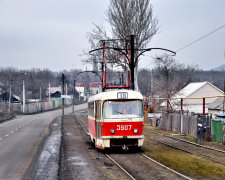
(122, 95)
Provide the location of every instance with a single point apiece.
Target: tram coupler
(124, 147)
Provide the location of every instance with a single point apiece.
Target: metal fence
(31, 108)
(198, 126)
(172, 122)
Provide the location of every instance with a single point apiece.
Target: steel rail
(184, 150)
(108, 156)
(189, 142)
(165, 167)
(82, 126)
(120, 166)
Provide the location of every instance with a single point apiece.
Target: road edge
(46, 162)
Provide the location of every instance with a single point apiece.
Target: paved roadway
(20, 140)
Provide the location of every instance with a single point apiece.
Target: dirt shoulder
(79, 159)
(6, 116)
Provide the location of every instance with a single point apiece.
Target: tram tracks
(212, 154)
(140, 154)
(107, 155)
(189, 142)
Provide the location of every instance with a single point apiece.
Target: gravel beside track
(79, 159)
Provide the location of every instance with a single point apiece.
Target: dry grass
(4, 115)
(187, 164)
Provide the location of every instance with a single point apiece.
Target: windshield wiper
(121, 113)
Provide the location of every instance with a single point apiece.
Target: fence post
(181, 116)
(203, 113)
(153, 108)
(146, 112)
(167, 104)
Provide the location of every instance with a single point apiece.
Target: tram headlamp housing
(112, 131)
(135, 131)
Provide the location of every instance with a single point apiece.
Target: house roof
(55, 89)
(217, 104)
(193, 87)
(188, 90)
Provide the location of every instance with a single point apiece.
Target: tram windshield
(122, 109)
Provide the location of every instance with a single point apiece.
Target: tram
(116, 119)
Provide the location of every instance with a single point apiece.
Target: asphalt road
(20, 140)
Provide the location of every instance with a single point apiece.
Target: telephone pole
(24, 99)
(74, 85)
(63, 78)
(10, 93)
(224, 97)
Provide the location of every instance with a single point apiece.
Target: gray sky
(52, 33)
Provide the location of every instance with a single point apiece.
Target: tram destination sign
(122, 95)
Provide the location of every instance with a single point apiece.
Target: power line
(201, 38)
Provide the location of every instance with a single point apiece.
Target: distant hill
(219, 68)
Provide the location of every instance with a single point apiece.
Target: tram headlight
(135, 131)
(112, 131)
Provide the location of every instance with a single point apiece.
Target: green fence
(217, 129)
(57, 99)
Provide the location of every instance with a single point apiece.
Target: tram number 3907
(123, 127)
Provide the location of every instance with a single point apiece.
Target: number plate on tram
(123, 127)
(122, 95)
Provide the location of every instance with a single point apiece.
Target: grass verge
(190, 165)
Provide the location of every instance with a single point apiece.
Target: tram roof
(111, 95)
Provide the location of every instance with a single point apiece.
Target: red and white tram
(115, 118)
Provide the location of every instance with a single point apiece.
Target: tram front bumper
(117, 141)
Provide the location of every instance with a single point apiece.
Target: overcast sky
(52, 33)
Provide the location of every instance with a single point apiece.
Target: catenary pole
(10, 92)
(63, 76)
(74, 85)
(132, 61)
(24, 100)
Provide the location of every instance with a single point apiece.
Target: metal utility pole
(63, 78)
(132, 60)
(24, 100)
(224, 97)
(40, 92)
(49, 91)
(79, 93)
(10, 92)
(74, 85)
(182, 117)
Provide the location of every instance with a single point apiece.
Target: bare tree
(130, 17)
(171, 76)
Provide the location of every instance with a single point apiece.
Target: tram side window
(91, 109)
(98, 110)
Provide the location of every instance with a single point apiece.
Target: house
(54, 90)
(80, 89)
(56, 94)
(217, 107)
(95, 88)
(4, 97)
(193, 95)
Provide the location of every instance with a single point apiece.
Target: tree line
(37, 81)
(169, 76)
